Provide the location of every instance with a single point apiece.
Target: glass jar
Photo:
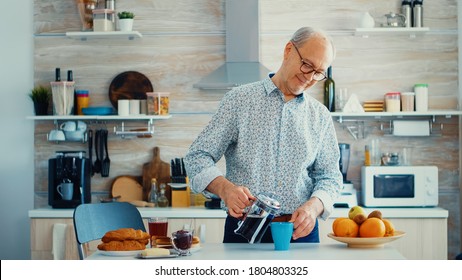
(103, 20)
(392, 102)
(407, 101)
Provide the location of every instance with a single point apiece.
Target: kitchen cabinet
(425, 228)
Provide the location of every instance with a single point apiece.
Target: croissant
(126, 245)
(125, 234)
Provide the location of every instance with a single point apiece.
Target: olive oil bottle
(329, 91)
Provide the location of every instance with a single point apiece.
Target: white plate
(120, 253)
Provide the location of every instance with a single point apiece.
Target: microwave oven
(399, 186)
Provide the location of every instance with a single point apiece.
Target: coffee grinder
(69, 167)
(347, 196)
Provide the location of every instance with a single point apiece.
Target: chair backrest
(92, 221)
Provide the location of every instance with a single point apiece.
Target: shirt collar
(270, 87)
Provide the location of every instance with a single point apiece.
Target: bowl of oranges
(359, 230)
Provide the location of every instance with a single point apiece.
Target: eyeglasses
(307, 68)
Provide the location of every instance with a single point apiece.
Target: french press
(258, 217)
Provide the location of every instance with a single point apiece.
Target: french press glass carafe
(258, 217)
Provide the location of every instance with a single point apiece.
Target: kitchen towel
(411, 128)
(59, 241)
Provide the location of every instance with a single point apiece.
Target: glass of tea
(182, 241)
(157, 227)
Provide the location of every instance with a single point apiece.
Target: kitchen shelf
(355, 122)
(99, 117)
(104, 34)
(121, 131)
(411, 31)
(377, 115)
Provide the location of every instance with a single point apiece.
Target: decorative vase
(126, 24)
(367, 21)
(41, 108)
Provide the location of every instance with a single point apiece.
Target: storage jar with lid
(103, 20)
(421, 97)
(392, 102)
(407, 101)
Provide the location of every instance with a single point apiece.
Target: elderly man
(275, 138)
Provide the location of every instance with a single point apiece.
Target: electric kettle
(258, 217)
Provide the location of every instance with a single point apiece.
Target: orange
(335, 223)
(389, 227)
(372, 227)
(346, 228)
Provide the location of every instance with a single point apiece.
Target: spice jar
(392, 102)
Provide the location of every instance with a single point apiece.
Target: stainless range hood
(242, 64)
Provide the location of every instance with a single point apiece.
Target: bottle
(153, 195)
(162, 200)
(70, 76)
(329, 91)
(367, 156)
(406, 10)
(58, 75)
(417, 12)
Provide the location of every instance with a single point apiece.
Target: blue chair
(92, 221)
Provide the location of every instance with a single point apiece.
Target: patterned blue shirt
(287, 148)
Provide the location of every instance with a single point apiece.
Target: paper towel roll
(411, 128)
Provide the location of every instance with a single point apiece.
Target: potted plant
(41, 97)
(125, 20)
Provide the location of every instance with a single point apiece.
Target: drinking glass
(157, 227)
(182, 242)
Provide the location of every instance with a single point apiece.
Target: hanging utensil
(90, 151)
(97, 165)
(106, 161)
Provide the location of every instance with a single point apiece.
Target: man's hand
(304, 217)
(236, 198)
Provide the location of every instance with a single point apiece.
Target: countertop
(265, 251)
(202, 212)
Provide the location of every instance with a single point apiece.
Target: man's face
(316, 54)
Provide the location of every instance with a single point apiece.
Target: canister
(103, 20)
(392, 102)
(407, 101)
(158, 103)
(421, 97)
(82, 99)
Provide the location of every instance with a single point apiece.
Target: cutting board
(129, 85)
(128, 188)
(158, 169)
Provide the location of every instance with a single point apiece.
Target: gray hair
(305, 33)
